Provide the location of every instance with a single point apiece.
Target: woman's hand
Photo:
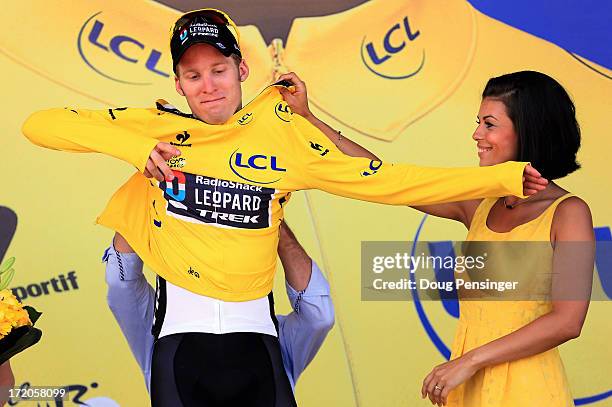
(445, 377)
(298, 99)
(533, 182)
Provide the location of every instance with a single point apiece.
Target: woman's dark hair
(544, 119)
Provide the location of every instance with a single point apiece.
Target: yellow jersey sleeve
(115, 132)
(326, 168)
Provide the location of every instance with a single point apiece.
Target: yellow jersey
(213, 229)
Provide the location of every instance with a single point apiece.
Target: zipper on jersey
(277, 49)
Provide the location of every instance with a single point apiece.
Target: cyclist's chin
(215, 114)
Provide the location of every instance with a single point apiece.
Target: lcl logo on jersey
(450, 303)
(105, 48)
(394, 54)
(246, 119)
(372, 168)
(283, 111)
(249, 167)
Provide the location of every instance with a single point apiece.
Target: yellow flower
(5, 328)
(7, 297)
(12, 314)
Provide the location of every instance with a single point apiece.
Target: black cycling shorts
(217, 370)
(212, 370)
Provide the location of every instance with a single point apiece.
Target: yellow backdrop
(402, 78)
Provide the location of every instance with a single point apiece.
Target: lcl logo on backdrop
(450, 303)
(105, 49)
(395, 54)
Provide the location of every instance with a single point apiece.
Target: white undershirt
(190, 312)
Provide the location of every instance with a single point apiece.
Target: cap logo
(196, 29)
(183, 36)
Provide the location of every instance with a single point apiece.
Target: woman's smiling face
(496, 139)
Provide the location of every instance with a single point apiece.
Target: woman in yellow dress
(505, 352)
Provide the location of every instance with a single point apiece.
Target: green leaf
(6, 278)
(32, 313)
(7, 264)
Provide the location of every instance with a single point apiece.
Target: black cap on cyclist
(208, 26)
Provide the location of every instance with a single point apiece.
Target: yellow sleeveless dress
(538, 380)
